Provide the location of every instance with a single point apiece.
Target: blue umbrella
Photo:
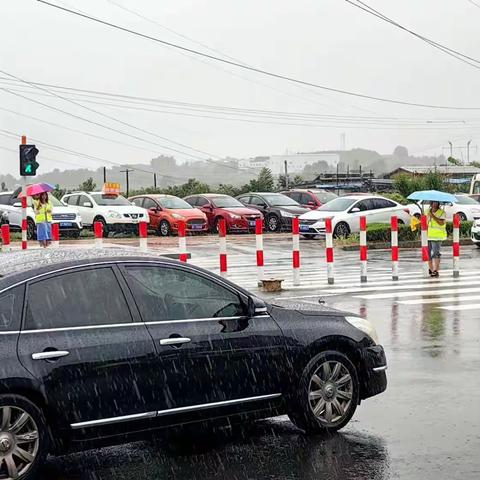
(432, 196)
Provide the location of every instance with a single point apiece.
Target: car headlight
(79, 219)
(285, 214)
(366, 326)
(113, 214)
(233, 216)
(177, 216)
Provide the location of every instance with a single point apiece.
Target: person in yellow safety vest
(437, 233)
(43, 218)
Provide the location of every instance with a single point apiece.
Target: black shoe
(435, 274)
(430, 272)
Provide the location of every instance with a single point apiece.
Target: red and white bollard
(55, 235)
(425, 252)
(394, 227)
(259, 247)
(24, 222)
(329, 250)
(456, 245)
(296, 251)
(98, 231)
(363, 249)
(6, 238)
(222, 233)
(182, 240)
(142, 231)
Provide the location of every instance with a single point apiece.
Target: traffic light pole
(24, 205)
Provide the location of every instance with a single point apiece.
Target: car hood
(187, 212)
(122, 208)
(318, 215)
(240, 211)
(64, 210)
(293, 209)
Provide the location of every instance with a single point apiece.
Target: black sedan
(278, 209)
(102, 344)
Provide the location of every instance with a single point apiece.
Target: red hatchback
(216, 206)
(310, 198)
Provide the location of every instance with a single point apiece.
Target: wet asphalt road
(425, 426)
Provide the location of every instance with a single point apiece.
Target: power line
(251, 68)
(449, 51)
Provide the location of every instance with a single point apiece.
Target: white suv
(69, 220)
(115, 212)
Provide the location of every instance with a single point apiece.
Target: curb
(410, 244)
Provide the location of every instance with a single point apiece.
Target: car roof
(154, 195)
(19, 265)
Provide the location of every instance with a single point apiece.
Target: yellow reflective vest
(437, 232)
(43, 211)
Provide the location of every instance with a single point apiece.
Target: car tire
(462, 217)
(327, 395)
(31, 229)
(273, 223)
(215, 225)
(342, 229)
(105, 228)
(164, 229)
(34, 448)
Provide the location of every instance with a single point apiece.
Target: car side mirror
(256, 307)
(17, 204)
(354, 210)
(155, 209)
(88, 204)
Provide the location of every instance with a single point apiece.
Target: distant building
(295, 162)
(462, 174)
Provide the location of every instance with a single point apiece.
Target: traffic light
(28, 164)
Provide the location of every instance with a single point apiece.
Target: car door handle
(174, 341)
(50, 355)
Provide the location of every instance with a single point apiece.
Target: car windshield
(465, 200)
(107, 200)
(54, 201)
(325, 197)
(174, 203)
(280, 200)
(226, 202)
(338, 204)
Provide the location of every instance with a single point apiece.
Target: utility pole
(468, 152)
(126, 172)
(104, 174)
(451, 148)
(155, 181)
(286, 174)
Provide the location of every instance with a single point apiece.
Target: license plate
(197, 227)
(304, 228)
(252, 223)
(66, 224)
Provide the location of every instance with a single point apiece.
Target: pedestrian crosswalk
(445, 292)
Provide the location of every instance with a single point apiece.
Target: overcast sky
(328, 42)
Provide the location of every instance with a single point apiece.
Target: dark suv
(278, 209)
(169, 344)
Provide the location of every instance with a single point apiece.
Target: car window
(148, 203)
(192, 201)
(257, 201)
(244, 199)
(83, 199)
(364, 205)
(174, 203)
(11, 303)
(201, 201)
(382, 203)
(295, 196)
(137, 201)
(4, 199)
(73, 200)
(106, 200)
(163, 293)
(338, 204)
(463, 200)
(304, 198)
(76, 299)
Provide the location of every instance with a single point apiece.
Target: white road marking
(471, 306)
(417, 293)
(456, 299)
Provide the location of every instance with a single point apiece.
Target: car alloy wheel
(19, 442)
(330, 392)
(341, 230)
(273, 223)
(164, 228)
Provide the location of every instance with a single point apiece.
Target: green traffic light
(28, 169)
